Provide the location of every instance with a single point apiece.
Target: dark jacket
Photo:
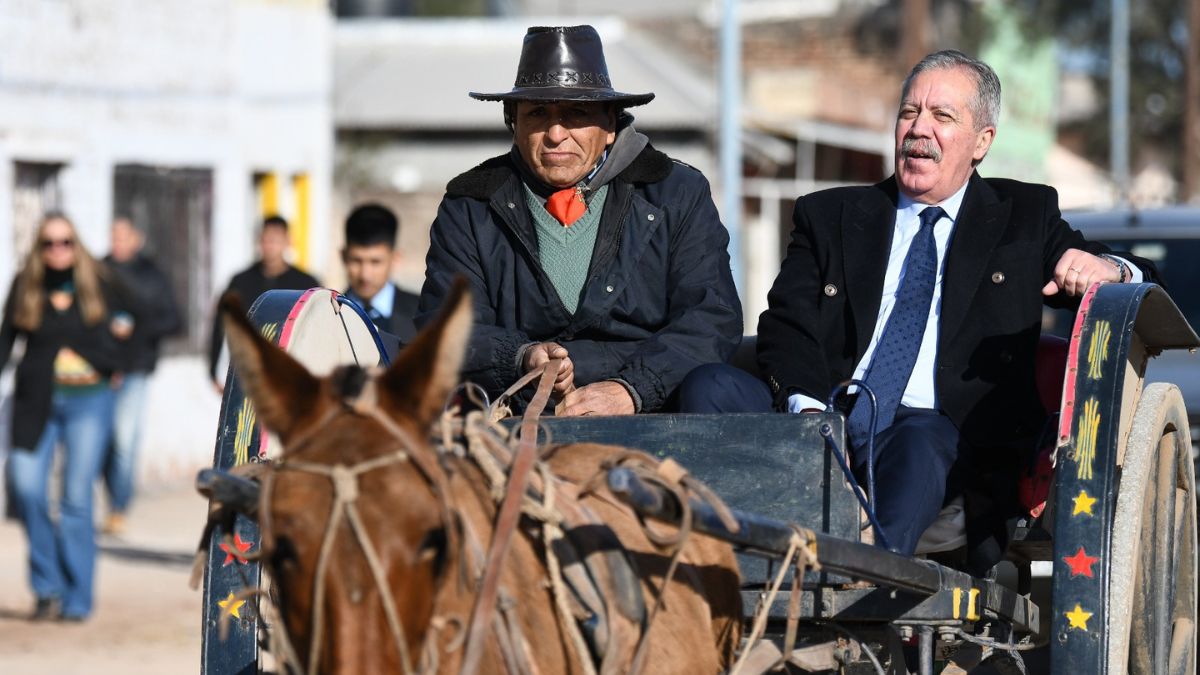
(32, 397)
(160, 315)
(400, 323)
(1007, 239)
(249, 284)
(659, 299)
(824, 304)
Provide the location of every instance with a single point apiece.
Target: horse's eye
(433, 547)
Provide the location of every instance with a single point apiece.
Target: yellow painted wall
(302, 191)
(268, 194)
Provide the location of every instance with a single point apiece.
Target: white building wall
(235, 86)
(231, 85)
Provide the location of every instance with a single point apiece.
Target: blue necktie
(375, 315)
(896, 353)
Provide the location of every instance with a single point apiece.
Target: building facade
(194, 118)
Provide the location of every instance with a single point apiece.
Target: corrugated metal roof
(415, 74)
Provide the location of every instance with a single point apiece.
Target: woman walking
(61, 302)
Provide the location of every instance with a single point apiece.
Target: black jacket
(659, 299)
(400, 323)
(160, 314)
(35, 373)
(249, 284)
(824, 305)
(1007, 239)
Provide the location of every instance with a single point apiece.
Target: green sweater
(566, 252)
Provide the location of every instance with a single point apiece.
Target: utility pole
(1119, 100)
(731, 133)
(914, 31)
(1191, 109)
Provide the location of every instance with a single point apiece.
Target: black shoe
(72, 618)
(47, 609)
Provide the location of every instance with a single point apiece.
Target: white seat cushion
(948, 532)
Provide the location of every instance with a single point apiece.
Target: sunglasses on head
(48, 244)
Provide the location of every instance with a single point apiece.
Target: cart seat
(949, 531)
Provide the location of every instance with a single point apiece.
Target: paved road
(147, 620)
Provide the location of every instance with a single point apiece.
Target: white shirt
(382, 302)
(921, 391)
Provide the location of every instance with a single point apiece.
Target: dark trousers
(916, 459)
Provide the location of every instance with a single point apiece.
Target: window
(173, 207)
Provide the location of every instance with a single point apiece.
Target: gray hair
(985, 106)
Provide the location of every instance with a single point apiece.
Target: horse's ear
(427, 370)
(284, 393)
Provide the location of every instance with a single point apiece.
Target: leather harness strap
(506, 520)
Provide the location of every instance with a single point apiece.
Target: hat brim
(566, 94)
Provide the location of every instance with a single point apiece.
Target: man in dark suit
(929, 287)
(270, 272)
(369, 255)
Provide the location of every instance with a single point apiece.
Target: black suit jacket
(825, 302)
(400, 323)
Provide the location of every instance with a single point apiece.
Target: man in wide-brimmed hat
(584, 243)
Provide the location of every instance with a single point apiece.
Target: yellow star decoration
(1083, 504)
(231, 605)
(1078, 617)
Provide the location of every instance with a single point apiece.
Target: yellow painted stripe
(268, 194)
(302, 189)
(972, 613)
(957, 601)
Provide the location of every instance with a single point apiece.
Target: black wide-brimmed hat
(563, 63)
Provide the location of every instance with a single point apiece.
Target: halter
(345, 495)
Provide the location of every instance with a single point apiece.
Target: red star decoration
(240, 547)
(1081, 563)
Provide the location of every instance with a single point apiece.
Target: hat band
(562, 78)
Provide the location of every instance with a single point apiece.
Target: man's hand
(1077, 270)
(597, 398)
(540, 353)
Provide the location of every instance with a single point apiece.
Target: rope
(506, 520)
(800, 552)
(551, 532)
(345, 484)
(1011, 648)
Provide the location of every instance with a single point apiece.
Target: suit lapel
(867, 227)
(981, 222)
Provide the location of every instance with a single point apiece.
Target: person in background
(62, 303)
(369, 255)
(270, 272)
(160, 318)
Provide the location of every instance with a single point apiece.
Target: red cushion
(1050, 370)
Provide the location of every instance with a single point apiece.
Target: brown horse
(375, 538)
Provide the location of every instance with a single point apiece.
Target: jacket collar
(867, 227)
(481, 182)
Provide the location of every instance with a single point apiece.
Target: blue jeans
(62, 556)
(121, 464)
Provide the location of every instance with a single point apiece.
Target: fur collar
(651, 166)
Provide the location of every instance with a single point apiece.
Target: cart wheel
(1152, 581)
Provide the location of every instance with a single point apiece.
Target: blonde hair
(30, 302)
